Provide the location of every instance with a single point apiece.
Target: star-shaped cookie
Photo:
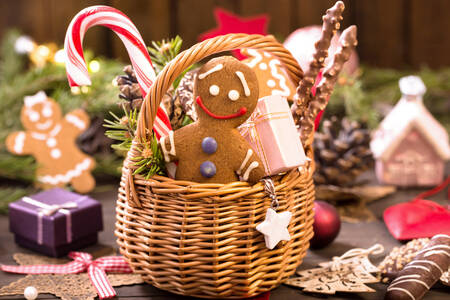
(274, 227)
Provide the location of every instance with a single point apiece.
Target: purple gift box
(55, 221)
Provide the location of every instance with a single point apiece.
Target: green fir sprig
(122, 129)
(163, 52)
(151, 160)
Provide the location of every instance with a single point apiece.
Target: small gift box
(55, 222)
(271, 132)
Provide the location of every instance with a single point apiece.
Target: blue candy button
(208, 169)
(209, 145)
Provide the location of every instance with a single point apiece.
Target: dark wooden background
(392, 33)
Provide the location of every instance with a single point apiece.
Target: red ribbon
(82, 262)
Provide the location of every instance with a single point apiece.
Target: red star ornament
(230, 23)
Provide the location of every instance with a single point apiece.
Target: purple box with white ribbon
(55, 221)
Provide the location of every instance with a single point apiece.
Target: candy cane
(118, 22)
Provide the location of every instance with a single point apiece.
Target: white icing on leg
(210, 71)
(250, 168)
(244, 83)
(172, 146)
(247, 157)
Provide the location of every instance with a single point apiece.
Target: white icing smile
(45, 125)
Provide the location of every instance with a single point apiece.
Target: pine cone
(129, 88)
(185, 92)
(174, 109)
(341, 152)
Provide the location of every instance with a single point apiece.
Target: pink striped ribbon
(82, 262)
(77, 72)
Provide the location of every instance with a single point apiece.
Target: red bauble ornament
(327, 224)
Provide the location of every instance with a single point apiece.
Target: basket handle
(198, 52)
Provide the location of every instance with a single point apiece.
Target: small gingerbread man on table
(51, 139)
(212, 149)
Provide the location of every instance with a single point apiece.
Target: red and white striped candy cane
(118, 22)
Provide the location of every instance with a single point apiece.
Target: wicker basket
(200, 239)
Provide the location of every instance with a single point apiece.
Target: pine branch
(163, 52)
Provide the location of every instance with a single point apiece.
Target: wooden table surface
(352, 235)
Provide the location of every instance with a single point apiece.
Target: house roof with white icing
(407, 114)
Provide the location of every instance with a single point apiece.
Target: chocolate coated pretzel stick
(418, 276)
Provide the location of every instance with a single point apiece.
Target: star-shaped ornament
(230, 23)
(274, 227)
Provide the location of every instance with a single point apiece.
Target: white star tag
(274, 227)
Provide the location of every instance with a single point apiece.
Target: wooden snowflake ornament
(347, 273)
(272, 77)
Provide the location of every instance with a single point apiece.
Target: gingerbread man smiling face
(40, 113)
(212, 149)
(51, 139)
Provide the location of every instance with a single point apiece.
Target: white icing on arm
(250, 168)
(212, 70)
(244, 83)
(19, 141)
(247, 157)
(172, 146)
(77, 122)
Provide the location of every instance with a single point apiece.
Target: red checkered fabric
(82, 262)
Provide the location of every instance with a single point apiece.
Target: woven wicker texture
(200, 239)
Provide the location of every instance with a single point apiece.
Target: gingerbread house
(410, 146)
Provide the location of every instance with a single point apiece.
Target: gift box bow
(49, 210)
(82, 262)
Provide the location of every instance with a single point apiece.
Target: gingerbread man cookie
(51, 139)
(212, 149)
(272, 78)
